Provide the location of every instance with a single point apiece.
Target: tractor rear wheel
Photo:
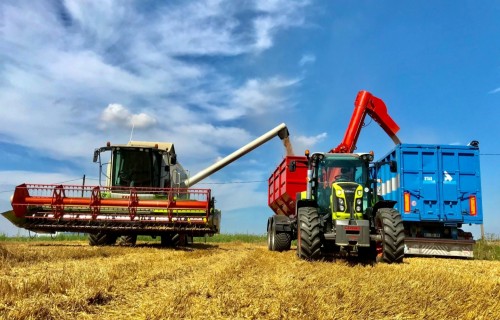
(390, 226)
(309, 236)
(101, 239)
(127, 240)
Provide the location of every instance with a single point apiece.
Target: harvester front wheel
(127, 240)
(390, 226)
(170, 240)
(309, 234)
(101, 239)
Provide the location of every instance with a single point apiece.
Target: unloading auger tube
(280, 130)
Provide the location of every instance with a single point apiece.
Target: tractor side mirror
(292, 166)
(96, 155)
(393, 166)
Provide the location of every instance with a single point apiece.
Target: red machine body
(50, 208)
(285, 184)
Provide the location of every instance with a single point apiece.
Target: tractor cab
(340, 184)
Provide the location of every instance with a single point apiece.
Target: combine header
(145, 192)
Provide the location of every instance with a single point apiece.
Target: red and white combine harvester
(146, 192)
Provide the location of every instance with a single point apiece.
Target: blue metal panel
(439, 178)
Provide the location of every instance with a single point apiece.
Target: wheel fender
(282, 223)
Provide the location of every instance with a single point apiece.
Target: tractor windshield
(341, 169)
(138, 167)
(336, 169)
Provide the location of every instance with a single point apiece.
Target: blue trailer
(437, 189)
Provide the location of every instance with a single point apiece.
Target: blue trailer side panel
(441, 182)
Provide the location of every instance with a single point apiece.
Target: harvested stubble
(234, 280)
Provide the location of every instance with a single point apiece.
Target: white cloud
(307, 59)
(494, 91)
(307, 142)
(257, 97)
(117, 114)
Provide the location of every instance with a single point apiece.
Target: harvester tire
(170, 240)
(101, 239)
(282, 241)
(127, 240)
(390, 226)
(309, 236)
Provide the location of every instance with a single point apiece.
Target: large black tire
(127, 240)
(309, 236)
(282, 241)
(170, 240)
(390, 226)
(271, 235)
(101, 239)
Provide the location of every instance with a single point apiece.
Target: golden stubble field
(70, 280)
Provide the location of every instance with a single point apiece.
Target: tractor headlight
(339, 193)
(358, 208)
(342, 208)
(359, 193)
(358, 202)
(341, 201)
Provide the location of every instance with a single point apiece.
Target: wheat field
(71, 280)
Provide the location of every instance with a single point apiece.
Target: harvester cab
(139, 164)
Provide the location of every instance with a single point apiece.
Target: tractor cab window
(340, 170)
(135, 168)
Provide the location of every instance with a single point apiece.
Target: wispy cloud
(86, 72)
(497, 90)
(307, 59)
(300, 142)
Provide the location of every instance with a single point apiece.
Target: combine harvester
(146, 192)
(341, 201)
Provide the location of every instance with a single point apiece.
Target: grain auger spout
(281, 131)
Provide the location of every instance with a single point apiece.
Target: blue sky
(212, 75)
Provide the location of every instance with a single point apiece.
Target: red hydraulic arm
(366, 103)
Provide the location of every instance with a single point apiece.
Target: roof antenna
(132, 132)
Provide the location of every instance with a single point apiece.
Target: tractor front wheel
(390, 226)
(309, 236)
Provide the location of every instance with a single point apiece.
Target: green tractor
(341, 212)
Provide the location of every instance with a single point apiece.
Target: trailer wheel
(101, 239)
(282, 241)
(308, 234)
(270, 234)
(390, 226)
(127, 240)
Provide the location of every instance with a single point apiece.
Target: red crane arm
(366, 103)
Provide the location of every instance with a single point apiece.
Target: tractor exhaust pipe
(281, 131)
